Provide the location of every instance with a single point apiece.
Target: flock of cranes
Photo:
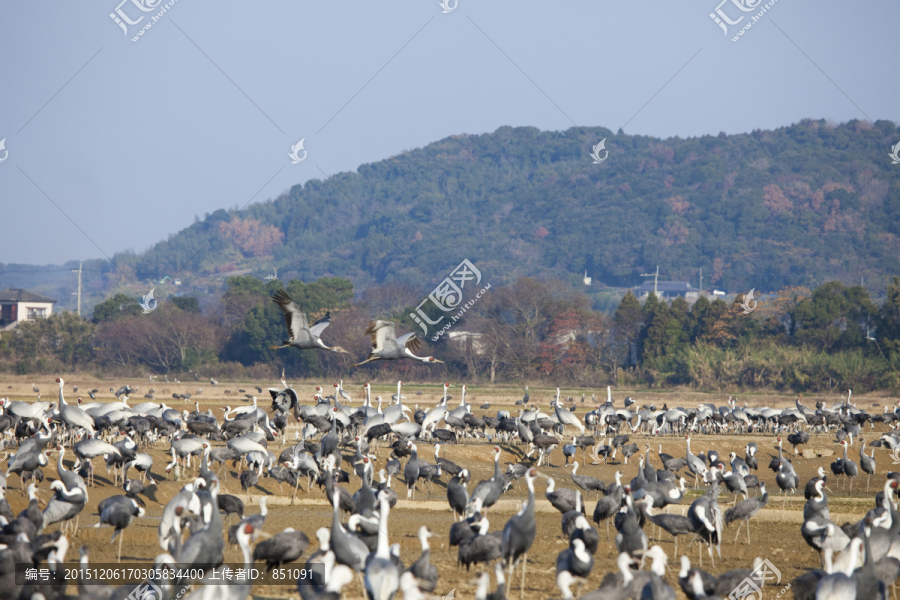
(193, 531)
(336, 448)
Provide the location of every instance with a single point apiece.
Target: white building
(21, 305)
(462, 338)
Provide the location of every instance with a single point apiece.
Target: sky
(113, 144)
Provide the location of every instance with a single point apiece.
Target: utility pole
(701, 281)
(78, 293)
(655, 277)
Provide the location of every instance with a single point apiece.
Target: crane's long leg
(121, 535)
(296, 486)
(522, 586)
(748, 533)
(741, 524)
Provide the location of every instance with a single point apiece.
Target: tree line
(530, 330)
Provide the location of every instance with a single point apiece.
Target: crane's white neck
(383, 551)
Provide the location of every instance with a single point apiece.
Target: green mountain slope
(800, 205)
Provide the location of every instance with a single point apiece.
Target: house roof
(667, 286)
(23, 296)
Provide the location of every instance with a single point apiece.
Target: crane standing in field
(302, 336)
(387, 346)
(745, 510)
(566, 417)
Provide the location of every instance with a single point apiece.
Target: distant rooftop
(23, 296)
(667, 286)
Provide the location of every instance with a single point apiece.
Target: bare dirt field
(774, 534)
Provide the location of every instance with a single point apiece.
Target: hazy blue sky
(115, 144)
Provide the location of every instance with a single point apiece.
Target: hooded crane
(489, 490)
(91, 448)
(458, 494)
(387, 346)
(519, 534)
(706, 517)
(411, 472)
(566, 417)
(433, 417)
(206, 545)
(302, 336)
(564, 499)
(481, 546)
(70, 478)
(26, 460)
(426, 574)
(850, 468)
(674, 525)
(65, 505)
(745, 510)
(382, 578)
(609, 505)
(72, 415)
(348, 549)
(586, 482)
(119, 511)
(394, 412)
(866, 463)
(281, 548)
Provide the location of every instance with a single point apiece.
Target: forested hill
(797, 206)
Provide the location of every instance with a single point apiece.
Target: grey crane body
(706, 517)
(674, 525)
(480, 547)
(119, 514)
(66, 504)
(301, 335)
(563, 499)
(72, 415)
(348, 549)
(489, 490)
(457, 494)
(411, 472)
(747, 509)
(630, 538)
(519, 533)
(284, 547)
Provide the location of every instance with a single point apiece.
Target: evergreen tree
(118, 306)
(627, 320)
(655, 338)
(699, 319)
(889, 320)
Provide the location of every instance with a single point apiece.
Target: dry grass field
(774, 534)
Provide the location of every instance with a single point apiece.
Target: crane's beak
(436, 360)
